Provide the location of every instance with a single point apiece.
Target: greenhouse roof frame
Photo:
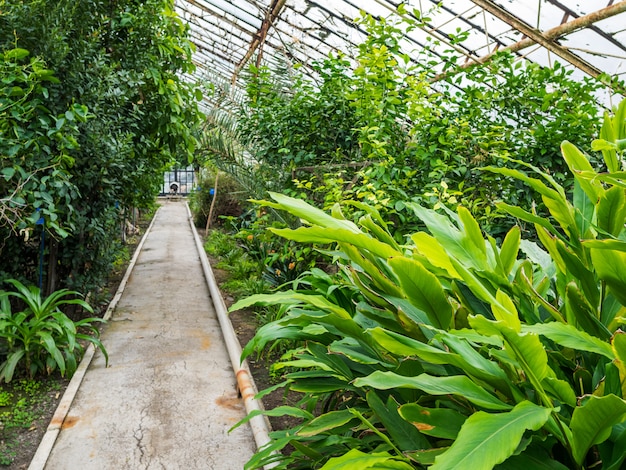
(587, 37)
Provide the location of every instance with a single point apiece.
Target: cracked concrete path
(168, 397)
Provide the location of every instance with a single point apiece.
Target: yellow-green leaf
(486, 440)
(423, 289)
(505, 311)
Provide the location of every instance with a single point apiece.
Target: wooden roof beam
(273, 12)
(547, 38)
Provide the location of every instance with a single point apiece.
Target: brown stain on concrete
(232, 403)
(205, 344)
(70, 422)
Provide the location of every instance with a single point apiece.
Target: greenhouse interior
(313, 234)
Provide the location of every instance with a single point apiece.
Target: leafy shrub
(229, 198)
(454, 350)
(41, 338)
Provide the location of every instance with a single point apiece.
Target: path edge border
(245, 382)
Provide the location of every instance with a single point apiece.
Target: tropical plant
(456, 351)
(40, 337)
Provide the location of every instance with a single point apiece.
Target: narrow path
(168, 397)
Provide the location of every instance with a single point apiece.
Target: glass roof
(588, 36)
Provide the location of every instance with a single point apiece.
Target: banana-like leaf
(531, 459)
(530, 354)
(486, 439)
(404, 434)
(472, 230)
(617, 178)
(554, 199)
(592, 423)
(584, 314)
(577, 163)
(460, 245)
(607, 133)
(584, 212)
(429, 246)
(510, 250)
(326, 422)
(549, 241)
(577, 269)
(423, 289)
(609, 244)
(609, 266)
(571, 337)
(458, 385)
(462, 355)
(317, 234)
(611, 212)
(307, 212)
(526, 216)
(505, 311)
(613, 450)
(442, 423)
(357, 459)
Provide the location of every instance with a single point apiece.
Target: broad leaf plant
(455, 350)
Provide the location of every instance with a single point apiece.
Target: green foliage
(21, 403)
(229, 201)
(97, 111)
(386, 130)
(41, 338)
(457, 350)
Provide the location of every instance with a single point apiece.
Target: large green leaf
(584, 314)
(461, 355)
(531, 459)
(443, 423)
(607, 133)
(577, 269)
(303, 210)
(458, 385)
(486, 440)
(428, 246)
(571, 337)
(510, 249)
(326, 422)
(578, 162)
(554, 200)
(619, 347)
(458, 244)
(505, 311)
(611, 212)
(473, 234)
(404, 434)
(357, 459)
(423, 289)
(592, 423)
(613, 450)
(317, 234)
(609, 265)
(526, 216)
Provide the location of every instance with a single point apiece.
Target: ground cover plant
(450, 349)
(25, 407)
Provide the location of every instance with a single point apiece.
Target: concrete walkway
(168, 397)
